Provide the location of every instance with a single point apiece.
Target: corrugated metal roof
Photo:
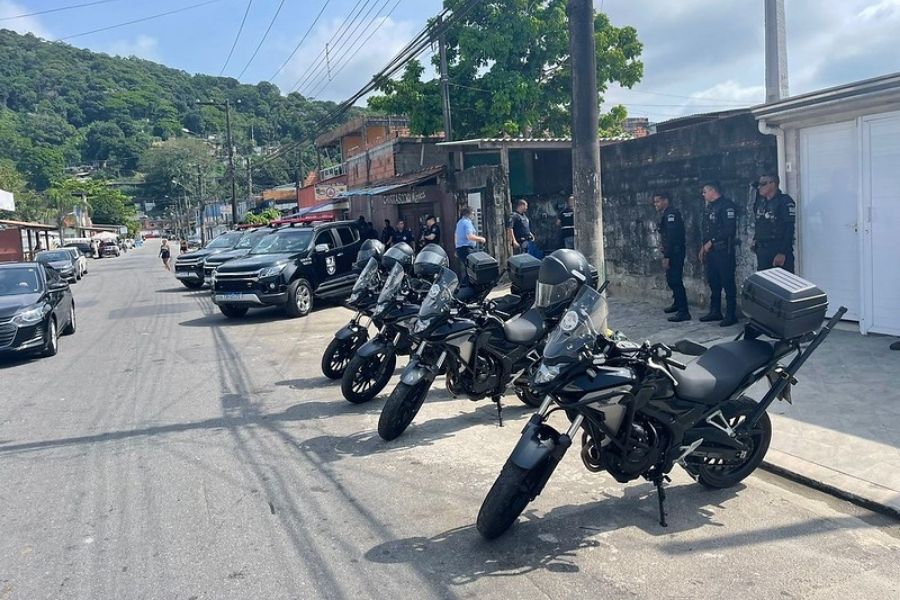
(526, 142)
(395, 182)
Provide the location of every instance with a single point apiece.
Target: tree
(509, 68)
(177, 160)
(29, 205)
(106, 204)
(420, 101)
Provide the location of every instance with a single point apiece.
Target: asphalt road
(167, 452)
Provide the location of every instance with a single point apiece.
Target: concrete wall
(493, 184)
(731, 151)
(395, 157)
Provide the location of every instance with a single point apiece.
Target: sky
(699, 55)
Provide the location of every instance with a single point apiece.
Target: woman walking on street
(165, 254)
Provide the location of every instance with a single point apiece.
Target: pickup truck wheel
(300, 299)
(192, 285)
(233, 311)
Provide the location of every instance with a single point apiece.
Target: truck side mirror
(322, 248)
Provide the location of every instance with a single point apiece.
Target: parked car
(61, 260)
(189, 266)
(290, 268)
(109, 248)
(36, 305)
(247, 243)
(81, 265)
(83, 245)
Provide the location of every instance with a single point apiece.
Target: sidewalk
(842, 433)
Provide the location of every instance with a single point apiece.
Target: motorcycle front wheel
(508, 497)
(401, 408)
(366, 376)
(336, 358)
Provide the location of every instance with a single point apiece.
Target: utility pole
(445, 85)
(202, 217)
(249, 182)
(227, 106)
(585, 134)
(776, 52)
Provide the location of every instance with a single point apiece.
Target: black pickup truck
(291, 268)
(189, 266)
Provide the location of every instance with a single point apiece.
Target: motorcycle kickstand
(661, 497)
(498, 401)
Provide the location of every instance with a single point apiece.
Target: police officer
(519, 228)
(719, 232)
(432, 232)
(671, 233)
(566, 223)
(402, 234)
(775, 212)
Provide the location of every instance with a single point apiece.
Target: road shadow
(8, 361)
(553, 541)
(217, 319)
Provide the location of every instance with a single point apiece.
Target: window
(348, 236)
(325, 237)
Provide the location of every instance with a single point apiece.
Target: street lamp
(227, 106)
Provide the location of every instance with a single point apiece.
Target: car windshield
(440, 296)
(226, 240)
(53, 256)
(284, 242)
(580, 327)
(251, 239)
(19, 280)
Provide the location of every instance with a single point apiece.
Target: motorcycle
(641, 412)
(483, 353)
(354, 334)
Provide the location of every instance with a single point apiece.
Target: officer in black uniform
(402, 234)
(566, 223)
(519, 229)
(671, 234)
(775, 212)
(432, 232)
(719, 233)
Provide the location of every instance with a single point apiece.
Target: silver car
(60, 260)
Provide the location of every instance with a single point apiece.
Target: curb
(839, 487)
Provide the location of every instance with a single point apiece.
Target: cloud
(351, 63)
(24, 25)
(143, 46)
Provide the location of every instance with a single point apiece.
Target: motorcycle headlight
(271, 271)
(547, 373)
(31, 316)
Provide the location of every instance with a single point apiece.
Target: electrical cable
(237, 37)
(140, 20)
(58, 9)
(265, 35)
(300, 43)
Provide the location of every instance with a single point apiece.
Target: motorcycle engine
(641, 454)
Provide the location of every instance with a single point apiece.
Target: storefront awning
(324, 211)
(397, 182)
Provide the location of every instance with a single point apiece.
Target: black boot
(670, 309)
(679, 317)
(712, 315)
(728, 321)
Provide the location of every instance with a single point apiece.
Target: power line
(300, 43)
(140, 20)
(237, 37)
(331, 72)
(265, 35)
(58, 9)
(305, 75)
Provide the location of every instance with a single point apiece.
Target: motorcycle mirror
(689, 347)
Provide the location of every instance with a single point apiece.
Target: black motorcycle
(374, 362)
(641, 412)
(353, 335)
(482, 351)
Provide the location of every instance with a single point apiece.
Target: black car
(189, 266)
(290, 268)
(36, 304)
(248, 242)
(60, 260)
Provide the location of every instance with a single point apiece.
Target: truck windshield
(284, 242)
(226, 240)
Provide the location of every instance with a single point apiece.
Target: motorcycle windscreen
(367, 279)
(440, 296)
(580, 327)
(391, 286)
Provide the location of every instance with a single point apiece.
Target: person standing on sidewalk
(519, 228)
(465, 240)
(671, 234)
(566, 224)
(719, 233)
(773, 238)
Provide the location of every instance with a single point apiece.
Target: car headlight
(271, 271)
(547, 373)
(32, 315)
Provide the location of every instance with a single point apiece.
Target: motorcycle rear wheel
(401, 408)
(365, 377)
(510, 494)
(714, 474)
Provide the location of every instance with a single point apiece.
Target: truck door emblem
(330, 265)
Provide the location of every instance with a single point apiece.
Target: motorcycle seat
(717, 373)
(507, 304)
(525, 329)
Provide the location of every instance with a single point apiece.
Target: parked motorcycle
(641, 412)
(483, 353)
(363, 299)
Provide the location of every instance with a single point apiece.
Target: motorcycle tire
(507, 498)
(365, 377)
(401, 408)
(528, 397)
(336, 358)
(717, 476)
